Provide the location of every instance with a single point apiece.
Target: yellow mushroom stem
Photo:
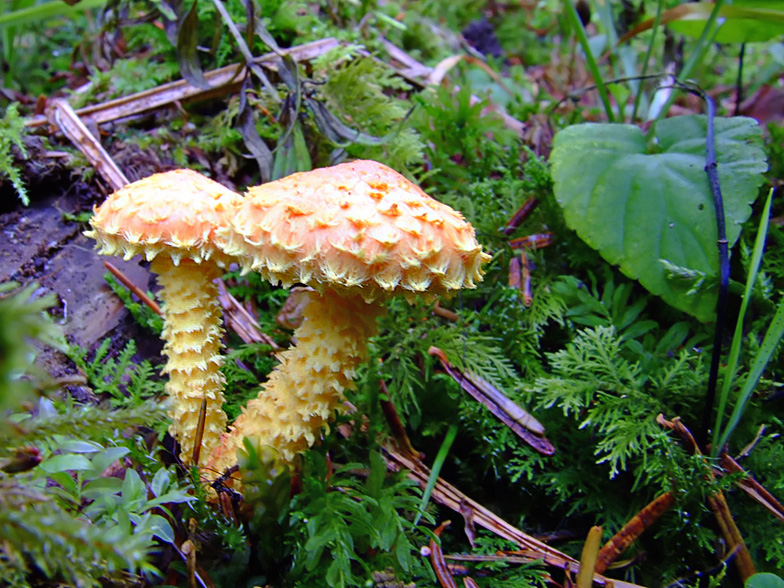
(307, 386)
(192, 332)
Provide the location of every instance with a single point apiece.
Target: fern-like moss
(12, 130)
(362, 93)
(126, 382)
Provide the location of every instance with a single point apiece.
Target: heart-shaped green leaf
(638, 205)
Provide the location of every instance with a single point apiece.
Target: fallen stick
(223, 81)
(751, 487)
(123, 279)
(241, 321)
(718, 505)
(446, 494)
(60, 114)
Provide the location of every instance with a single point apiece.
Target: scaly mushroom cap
(176, 212)
(357, 226)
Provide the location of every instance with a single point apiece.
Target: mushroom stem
(192, 332)
(307, 386)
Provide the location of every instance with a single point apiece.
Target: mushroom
(170, 218)
(357, 233)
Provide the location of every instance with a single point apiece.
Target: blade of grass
(44, 11)
(769, 344)
(437, 464)
(574, 18)
(646, 60)
(737, 338)
(698, 53)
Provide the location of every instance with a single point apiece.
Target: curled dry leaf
(521, 422)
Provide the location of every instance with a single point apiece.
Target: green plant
(344, 529)
(12, 131)
(463, 142)
(764, 580)
(22, 322)
(126, 382)
(759, 362)
(407, 334)
(659, 183)
(142, 313)
(63, 516)
(497, 572)
(43, 529)
(364, 92)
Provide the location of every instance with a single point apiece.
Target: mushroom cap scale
(359, 227)
(175, 212)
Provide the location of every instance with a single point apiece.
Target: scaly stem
(303, 392)
(192, 331)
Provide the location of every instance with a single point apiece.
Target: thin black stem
(739, 81)
(724, 270)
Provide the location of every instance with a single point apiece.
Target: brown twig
(123, 279)
(717, 503)
(525, 279)
(396, 425)
(241, 321)
(513, 416)
(519, 216)
(445, 313)
(619, 542)
(535, 241)
(222, 81)
(448, 495)
(443, 574)
(531, 548)
(62, 116)
(751, 487)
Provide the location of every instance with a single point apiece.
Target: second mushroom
(170, 218)
(357, 233)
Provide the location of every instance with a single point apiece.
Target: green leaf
(638, 206)
(761, 359)
(246, 124)
(103, 460)
(187, 49)
(133, 487)
(101, 487)
(743, 21)
(42, 12)
(337, 131)
(161, 528)
(79, 446)
(171, 497)
(764, 580)
(160, 482)
(66, 462)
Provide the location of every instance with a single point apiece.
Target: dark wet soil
(39, 245)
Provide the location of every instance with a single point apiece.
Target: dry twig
(718, 504)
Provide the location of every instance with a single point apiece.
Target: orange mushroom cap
(176, 211)
(357, 226)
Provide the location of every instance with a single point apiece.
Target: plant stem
(574, 18)
(644, 71)
(443, 451)
(303, 392)
(732, 361)
(697, 55)
(192, 332)
(724, 268)
(739, 81)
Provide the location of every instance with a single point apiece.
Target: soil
(40, 246)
